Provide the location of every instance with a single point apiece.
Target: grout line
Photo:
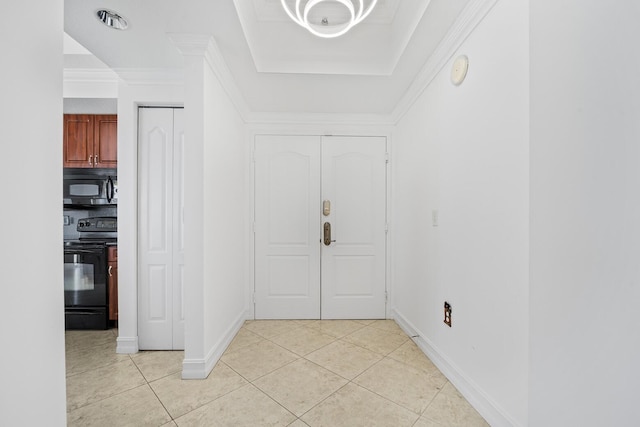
(298, 328)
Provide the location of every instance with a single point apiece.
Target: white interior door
(297, 276)
(354, 261)
(287, 212)
(160, 231)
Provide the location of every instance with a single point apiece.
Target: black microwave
(95, 188)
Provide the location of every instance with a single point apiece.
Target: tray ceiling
(276, 65)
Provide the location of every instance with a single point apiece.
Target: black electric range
(85, 273)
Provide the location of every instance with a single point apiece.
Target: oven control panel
(101, 223)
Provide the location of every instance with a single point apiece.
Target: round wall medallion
(459, 69)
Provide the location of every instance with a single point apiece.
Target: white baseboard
(482, 403)
(199, 369)
(127, 345)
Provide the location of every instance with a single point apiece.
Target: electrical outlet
(447, 314)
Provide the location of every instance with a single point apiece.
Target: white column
(32, 366)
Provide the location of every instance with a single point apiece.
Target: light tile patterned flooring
(275, 373)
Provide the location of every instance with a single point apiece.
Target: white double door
(160, 228)
(320, 227)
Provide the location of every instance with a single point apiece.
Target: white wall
(224, 207)
(585, 211)
(32, 366)
(464, 152)
(215, 208)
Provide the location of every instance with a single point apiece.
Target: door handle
(327, 234)
(110, 268)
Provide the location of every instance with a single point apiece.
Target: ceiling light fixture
(322, 26)
(112, 19)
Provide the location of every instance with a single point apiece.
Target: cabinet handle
(90, 163)
(95, 160)
(110, 267)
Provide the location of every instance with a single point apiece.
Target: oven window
(78, 277)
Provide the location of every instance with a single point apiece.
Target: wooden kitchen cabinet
(90, 141)
(112, 273)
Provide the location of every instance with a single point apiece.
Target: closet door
(160, 314)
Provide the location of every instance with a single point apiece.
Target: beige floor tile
(388, 325)
(298, 423)
(376, 340)
(410, 354)
(181, 396)
(344, 358)
(426, 422)
(246, 406)
(78, 340)
(92, 386)
(353, 406)
(85, 359)
(303, 341)
(256, 360)
(336, 328)
(365, 321)
(243, 338)
(272, 328)
(300, 385)
(170, 424)
(158, 364)
(402, 384)
(450, 408)
(135, 407)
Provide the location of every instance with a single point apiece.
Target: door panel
(106, 141)
(287, 211)
(178, 228)
(160, 251)
(78, 141)
(155, 239)
(354, 266)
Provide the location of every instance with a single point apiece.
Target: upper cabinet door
(90, 141)
(105, 142)
(78, 141)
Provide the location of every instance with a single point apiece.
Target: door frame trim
(385, 131)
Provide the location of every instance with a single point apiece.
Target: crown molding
(89, 83)
(467, 21)
(192, 44)
(313, 119)
(151, 76)
(204, 45)
(90, 75)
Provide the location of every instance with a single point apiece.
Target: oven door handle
(82, 251)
